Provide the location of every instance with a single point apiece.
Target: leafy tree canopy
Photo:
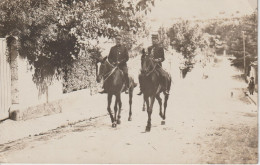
(52, 32)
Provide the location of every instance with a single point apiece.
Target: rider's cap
(155, 36)
(118, 36)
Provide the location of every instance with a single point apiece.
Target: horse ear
(143, 52)
(104, 59)
(96, 58)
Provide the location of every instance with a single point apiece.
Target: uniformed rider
(157, 53)
(118, 56)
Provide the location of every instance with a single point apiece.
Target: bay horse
(152, 89)
(114, 84)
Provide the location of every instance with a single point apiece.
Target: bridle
(147, 74)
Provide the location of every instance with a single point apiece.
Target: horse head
(148, 64)
(102, 68)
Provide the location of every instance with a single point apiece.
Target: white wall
(28, 92)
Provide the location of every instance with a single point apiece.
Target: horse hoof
(129, 119)
(162, 122)
(114, 125)
(118, 122)
(147, 129)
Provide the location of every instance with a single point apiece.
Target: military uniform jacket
(118, 53)
(156, 52)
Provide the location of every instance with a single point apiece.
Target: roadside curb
(253, 99)
(75, 108)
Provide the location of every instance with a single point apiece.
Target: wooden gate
(5, 81)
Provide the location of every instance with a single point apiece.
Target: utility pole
(244, 47)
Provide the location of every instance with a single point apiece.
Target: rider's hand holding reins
(158, 60)
(118, 63)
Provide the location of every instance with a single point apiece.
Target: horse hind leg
(158, 98)
(166, 97)
(109, 100)
(119, 102)
(130, 104)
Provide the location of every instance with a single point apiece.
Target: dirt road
(204, 124)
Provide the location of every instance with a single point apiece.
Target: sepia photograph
(129, 81)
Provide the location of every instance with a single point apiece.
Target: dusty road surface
(204, 124)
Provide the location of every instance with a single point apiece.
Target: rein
(111, 72)
(153, 69)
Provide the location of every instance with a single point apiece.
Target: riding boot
(166, 86)
(167, 90)
(103, 91)
(140, 93)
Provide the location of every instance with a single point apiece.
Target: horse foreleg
(109, 99)
(119, 102)
(130, 104)
(115, 111)
(146, 101)
(158, 98)
(149, 111)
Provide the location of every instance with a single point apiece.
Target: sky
(166, 10)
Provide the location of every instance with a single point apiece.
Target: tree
(185, 38)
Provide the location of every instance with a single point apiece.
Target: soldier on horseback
(157, 53)
(118, 56)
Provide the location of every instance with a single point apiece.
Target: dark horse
(114, 84)
(152, 89)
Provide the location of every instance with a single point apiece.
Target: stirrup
(166, 92)
(102, 92)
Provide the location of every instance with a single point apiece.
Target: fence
(5, 81)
